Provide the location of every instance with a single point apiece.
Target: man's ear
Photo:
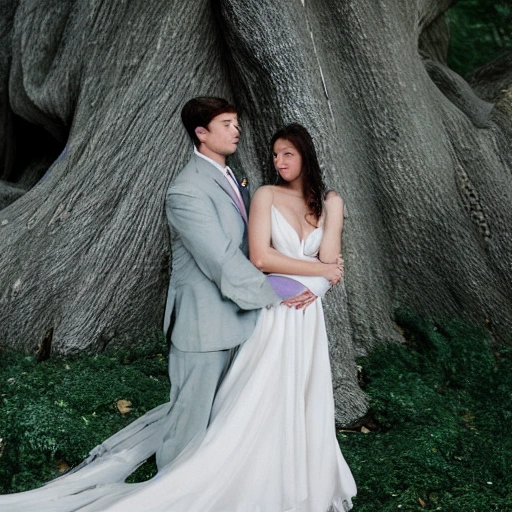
(200, 133)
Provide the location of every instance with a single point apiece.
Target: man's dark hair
(200, 111)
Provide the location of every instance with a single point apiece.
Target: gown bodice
(287, 241)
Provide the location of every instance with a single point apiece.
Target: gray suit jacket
(215, 292)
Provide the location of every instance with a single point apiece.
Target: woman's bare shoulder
(265, 192)
(332, 198)
(332, 194)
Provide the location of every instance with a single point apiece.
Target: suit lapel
(206, 168)
(246, 196)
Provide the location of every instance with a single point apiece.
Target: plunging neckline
(302, 241)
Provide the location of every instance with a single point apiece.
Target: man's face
(222, 134)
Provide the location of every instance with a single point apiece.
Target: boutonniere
(244, 182)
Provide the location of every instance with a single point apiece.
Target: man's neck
(220, 159)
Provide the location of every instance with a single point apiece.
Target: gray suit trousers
(195, 378)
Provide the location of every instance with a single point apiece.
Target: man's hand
(301, 301)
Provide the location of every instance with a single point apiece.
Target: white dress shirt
(226, 172)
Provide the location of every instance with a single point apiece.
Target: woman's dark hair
(313, 185)
(200, 111)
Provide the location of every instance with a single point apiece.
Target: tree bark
(422, 159)
(85, 253)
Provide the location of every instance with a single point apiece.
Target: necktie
(238, 196)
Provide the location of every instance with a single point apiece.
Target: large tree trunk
(85, 252)
(422, 162)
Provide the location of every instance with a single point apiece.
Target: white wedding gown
(271, 445)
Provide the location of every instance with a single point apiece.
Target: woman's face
(287, 160)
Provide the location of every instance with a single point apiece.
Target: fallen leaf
(124, 406)
(422, 503)
(62, 466)
(364, 430)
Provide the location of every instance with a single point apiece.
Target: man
(215, 292)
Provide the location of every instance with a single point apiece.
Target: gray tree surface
(91, 137)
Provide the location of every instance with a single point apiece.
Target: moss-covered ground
(54, 412)
(440, 426)
(440, 421)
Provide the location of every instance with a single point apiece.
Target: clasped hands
(334, 274)
(336, 271)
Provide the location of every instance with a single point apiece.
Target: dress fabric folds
(271, 444)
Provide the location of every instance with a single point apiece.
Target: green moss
(53, 413)
(443, 403)
(480, 30)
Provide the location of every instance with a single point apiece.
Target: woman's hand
(341, 264)
(333, 272)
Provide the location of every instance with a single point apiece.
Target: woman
(271, 445)
(299, 198)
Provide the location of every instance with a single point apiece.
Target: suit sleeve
(194, 216)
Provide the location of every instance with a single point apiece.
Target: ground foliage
(441, 417)
(54, 412)
(480, 30)
(441, 424)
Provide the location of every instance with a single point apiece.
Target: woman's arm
(330, 247)
(265, 257)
